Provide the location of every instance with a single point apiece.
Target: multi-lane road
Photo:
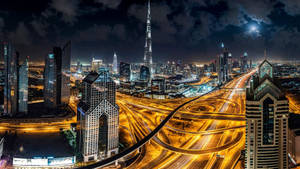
(202, 132)
(206, 133)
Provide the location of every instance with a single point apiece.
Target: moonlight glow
(254, 29)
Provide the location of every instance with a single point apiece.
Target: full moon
(254, 28)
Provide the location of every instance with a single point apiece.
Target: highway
(189, 142)
(200, 132)
(141, 142)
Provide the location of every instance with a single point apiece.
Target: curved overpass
(200, 151)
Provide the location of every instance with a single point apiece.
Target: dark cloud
(159, 13)
(39, 27)
(191, 29)
(110, 3)
(94, 33)
(21, 36)
(292, 6)
(68, 9)
(258, 10)
(120, 31)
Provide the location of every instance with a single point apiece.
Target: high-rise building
(145, 74)
(11, 58)
(50, 82)
(230, 63)
(223, 65)
(267, 112)
(23, 87)
(65, 74)
(98, 115)
(78, 67)
(96, 64)
(56, 77)
(125, 72)
(57, 52)
(244, 63)
(148, 42)
(220, 68)
(115, 64)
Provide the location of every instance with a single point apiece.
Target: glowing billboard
(30, 162)
(49, 161)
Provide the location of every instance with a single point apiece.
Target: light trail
(198, 141)
(217, 131)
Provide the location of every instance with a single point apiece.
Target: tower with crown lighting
(148, 42)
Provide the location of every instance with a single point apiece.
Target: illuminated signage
(62, 161)
(30, 162)
(50, 161)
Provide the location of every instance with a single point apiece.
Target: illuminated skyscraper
(56, 77)
(98, 115)
(148, 42)
(50, 82)
(125, 72)
(115, 64)
(96, 64)
(11, 58)
(223, 65)
(230, 64)
(78, 67)
(267, 112)
(244, 63)
(23, 87)
(64, 74)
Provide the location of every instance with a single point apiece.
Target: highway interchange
(206, 133)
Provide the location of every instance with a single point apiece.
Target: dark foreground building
(267, 113)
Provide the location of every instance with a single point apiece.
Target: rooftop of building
(102, 76)
(91, 77)
(264, 79)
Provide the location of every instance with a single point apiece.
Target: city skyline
(142, 84)
(182, 30)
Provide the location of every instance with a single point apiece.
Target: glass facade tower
(145, 74)
(50, 82)
(65, 73)
(57, 77)
(23, 87)
(10, 78)
(125, 72)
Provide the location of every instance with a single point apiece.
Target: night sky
(189, 30)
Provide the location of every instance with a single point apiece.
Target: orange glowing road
(207, 133)
(41, 124)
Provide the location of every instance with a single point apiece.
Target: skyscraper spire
(115, 63)
(148, 41)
